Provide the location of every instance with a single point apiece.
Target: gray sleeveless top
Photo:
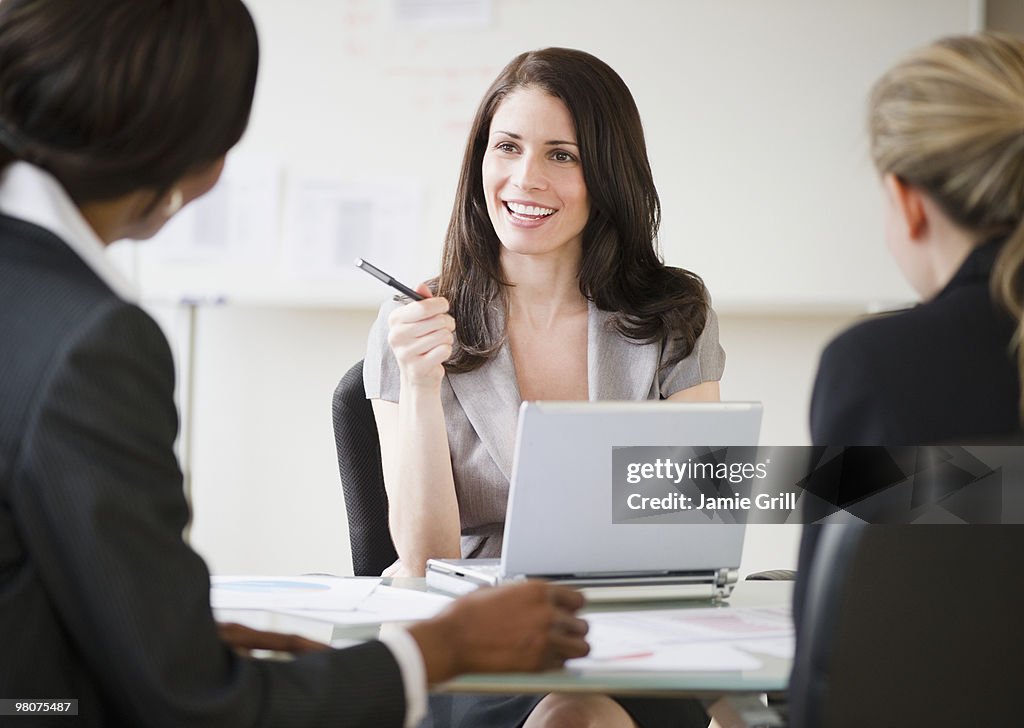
(481, 407)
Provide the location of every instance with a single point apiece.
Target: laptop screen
(559, 518)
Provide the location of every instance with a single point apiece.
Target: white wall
(753, 112)
(266, 491)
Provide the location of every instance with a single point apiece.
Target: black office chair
(362, 479)
(910, 626)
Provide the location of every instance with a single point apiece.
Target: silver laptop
(559, 521)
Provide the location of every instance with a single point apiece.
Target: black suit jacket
(939, 372)
(100, 599)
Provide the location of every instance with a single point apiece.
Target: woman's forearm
(424, 510)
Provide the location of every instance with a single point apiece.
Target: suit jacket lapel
(617, 368)
(490, 398)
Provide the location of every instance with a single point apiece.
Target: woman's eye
(560, 156)
(506, 147)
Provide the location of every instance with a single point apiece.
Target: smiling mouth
(530, 213)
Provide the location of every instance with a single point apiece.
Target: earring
(174, 203)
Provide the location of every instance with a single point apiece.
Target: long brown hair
(112, 96)
(621, 269)
(950, 121)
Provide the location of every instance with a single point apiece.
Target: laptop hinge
(725, 579)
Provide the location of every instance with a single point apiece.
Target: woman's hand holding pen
(424, 513)
(421, 334)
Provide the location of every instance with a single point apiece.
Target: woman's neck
(948, 246)
(545, 288)
(111, 220)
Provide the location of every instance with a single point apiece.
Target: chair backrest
(362, 479)
(911, 625)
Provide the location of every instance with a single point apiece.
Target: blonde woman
(947, 138)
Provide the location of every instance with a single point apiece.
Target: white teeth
(529, 210)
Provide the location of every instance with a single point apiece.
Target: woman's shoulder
(880, 349)
(900, 333)
(878, 331)
(704, 362)
(380, 368)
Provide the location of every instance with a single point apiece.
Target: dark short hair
(621, 269)
(112, 96)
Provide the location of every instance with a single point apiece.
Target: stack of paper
(289, 592)
(342, 601)
(687, 639)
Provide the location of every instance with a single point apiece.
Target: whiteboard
(754, 113)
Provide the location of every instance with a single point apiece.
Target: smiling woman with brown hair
(551, 288)
(619, 268)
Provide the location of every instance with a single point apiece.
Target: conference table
(771, 676)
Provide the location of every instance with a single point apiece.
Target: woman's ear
(908, 204)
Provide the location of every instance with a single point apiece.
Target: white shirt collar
(33, 195)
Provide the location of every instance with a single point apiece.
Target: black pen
(385, 278)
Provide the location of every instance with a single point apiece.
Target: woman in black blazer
(113, 115)
(947, 137)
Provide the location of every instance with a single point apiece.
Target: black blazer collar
(976, 268)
